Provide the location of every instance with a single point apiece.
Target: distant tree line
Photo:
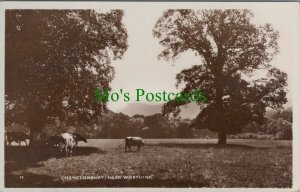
(118, 125)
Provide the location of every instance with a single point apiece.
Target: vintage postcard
(149, 96)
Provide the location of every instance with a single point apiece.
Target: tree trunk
(32, 137)
(222, 138)
(38, 139)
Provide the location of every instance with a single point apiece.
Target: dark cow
(55, 140)
(38, 139)
(17, 137)
(134, 141)
(78, 138)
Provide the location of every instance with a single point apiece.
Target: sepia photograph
(150, 95)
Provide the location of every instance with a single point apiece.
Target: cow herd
(17, 137)
(66, 142)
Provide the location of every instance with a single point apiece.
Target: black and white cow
(69, 144)
(133, 141)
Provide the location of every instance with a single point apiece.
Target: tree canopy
(54, 60)
(231, 51)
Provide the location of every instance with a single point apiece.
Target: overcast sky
(140, 67)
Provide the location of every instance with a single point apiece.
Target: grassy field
(161, 163)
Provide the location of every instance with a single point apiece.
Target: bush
(285, 134)
(247, 136)
(265, 137)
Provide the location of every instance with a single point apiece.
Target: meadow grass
(169, 162)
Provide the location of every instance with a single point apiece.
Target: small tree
(230, 50)
(286, 114)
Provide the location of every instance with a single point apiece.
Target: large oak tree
(232, 50)
(54, 60)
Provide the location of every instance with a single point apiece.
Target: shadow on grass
(21, 157)
(205, 146)
(42, 181)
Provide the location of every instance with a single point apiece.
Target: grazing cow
(17, 137)
(78, 138)
(55, 140)
(70, 143)
(134, 141)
